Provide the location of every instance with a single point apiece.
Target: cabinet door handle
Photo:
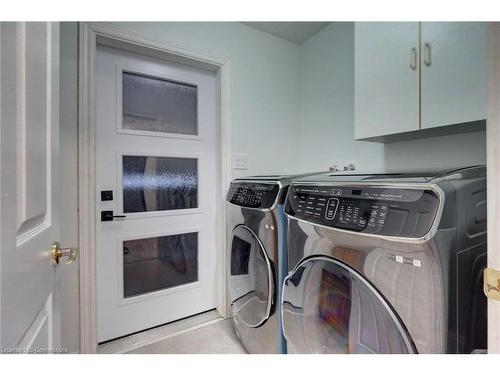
(427, 54)
(413, 59)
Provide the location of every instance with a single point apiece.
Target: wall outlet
(240, 161)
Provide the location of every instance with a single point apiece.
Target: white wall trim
(1, 189)
(493, 175)
(92, 34)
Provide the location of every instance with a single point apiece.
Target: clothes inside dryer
(329, 308)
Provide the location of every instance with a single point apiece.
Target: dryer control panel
(253, 194)
(377, 210)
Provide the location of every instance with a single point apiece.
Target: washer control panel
(253, 194)
(378, 210)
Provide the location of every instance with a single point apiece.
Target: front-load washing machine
(256, 230)
(386, 263)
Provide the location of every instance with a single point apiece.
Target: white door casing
(118, 316)
(493, 161)
(90, 36)
(29, 103)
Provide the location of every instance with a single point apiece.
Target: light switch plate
(240, 161)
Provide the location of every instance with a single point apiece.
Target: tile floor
(204, 333)
(214, 338)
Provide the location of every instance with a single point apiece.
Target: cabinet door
(453, 63)
(386, 84)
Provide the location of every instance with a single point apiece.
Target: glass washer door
(327, 307)
(251, 284)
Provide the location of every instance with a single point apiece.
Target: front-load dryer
(386, 263)
(256, 236)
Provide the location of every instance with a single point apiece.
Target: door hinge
(492, 283)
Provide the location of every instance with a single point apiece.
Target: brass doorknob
(70, 254)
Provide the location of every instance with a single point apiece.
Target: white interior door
(156, 166)
(29, 100)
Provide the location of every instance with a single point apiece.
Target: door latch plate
(492, 283)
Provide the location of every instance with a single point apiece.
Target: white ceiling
(296, 32)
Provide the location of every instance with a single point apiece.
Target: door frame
(92, 35)
(493, 177)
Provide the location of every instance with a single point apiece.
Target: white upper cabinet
(453, 63)
(386, 78)
(411, 77)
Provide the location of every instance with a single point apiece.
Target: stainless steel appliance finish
(386, 263)
(254, 206)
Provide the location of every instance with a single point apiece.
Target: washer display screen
(253, 195)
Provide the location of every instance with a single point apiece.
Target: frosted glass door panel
(159, 105)
(151, 264)
(153, 183)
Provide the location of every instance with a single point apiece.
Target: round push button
(336, 192)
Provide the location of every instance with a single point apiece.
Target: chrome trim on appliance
(280, 187)
(397, 320)
(409, 186)
(270, 278)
